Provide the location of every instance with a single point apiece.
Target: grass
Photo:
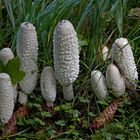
(97, 22)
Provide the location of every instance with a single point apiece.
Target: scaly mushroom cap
(6, 54)
(65, 53)
(48, 85)
(114, 80)
(123, 56)
(27, 51)
(6, 98)
(99, 86)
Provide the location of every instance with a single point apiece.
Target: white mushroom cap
(114, 80)
(27, 51)
(123, 56)
(48, 85)
(6, 98)
(65, 53)
(99, 86)
(105, 53)
(66, 56)
(6, 54)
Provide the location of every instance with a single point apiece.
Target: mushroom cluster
(6, 54)
(66, 67)
(121, 74)
(27, 51)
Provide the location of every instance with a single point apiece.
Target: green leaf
(57, 108)
(75, 113)
(37, 105)
(20, 121)
(13, 65)
(46, 114)
(102, 102)
(51, 133)
(121, 110)
(16, 77)
(91, 114)
(83, 100)
(66, 107)
(39, 121)
(13, 69)
(60, 123)
(72, 131)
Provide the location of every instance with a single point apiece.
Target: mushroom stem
(49, 104)
(23, 98)
(68, 92)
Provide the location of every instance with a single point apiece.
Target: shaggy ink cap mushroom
(123, 56)
(66, 56)
(99, 85)
(48, 85)
(6, 54)
(27, 51)
(6, 98)
(115, 81)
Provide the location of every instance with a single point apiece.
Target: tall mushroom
(48, 85)
(66, 56)
(6, 98)
(123, 56)
(6, 54)
(27, 51)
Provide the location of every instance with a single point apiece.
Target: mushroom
(27, 51)
(99, 85)
(115, 81)
(66, 56)
(48, 85)
(105, 53)
(123, 56)
(6, 98)
(6, 54)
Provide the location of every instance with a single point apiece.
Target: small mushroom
(48, 85)
(6, 54)
(66, 56)
(6, 98)
(105, 53)
(115, 81)
(99, 85)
